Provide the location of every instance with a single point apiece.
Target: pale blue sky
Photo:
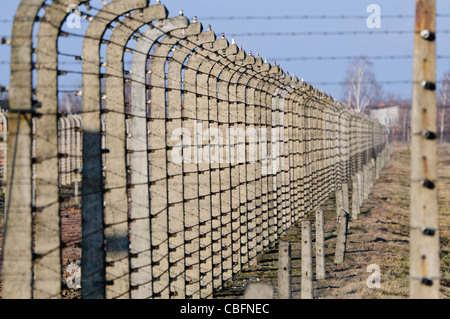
(280, 47)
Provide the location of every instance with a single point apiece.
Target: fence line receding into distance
(190, 162)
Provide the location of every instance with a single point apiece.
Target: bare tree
(360, 86)
(444, 102)
(404, 123)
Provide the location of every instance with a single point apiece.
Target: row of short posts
(362, 184)
(307, 273)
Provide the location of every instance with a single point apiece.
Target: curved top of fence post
(138, 85)
(240, 57)
(261, 71)
(142, 50)
(21, 55)
(121, 35)
(296, 86)
(210, 57)
(232, 51)
(238, 68)
(72, 120)
(294, 81)
(91, 57)
(79, 122)
(295, 93)
(287, 79)
(62, 123)
(285, 86)
(245, 76)
(239, 62)
(270, 83)
(186, 49)
(140, 59)
(67, 121)
(214, 62)
(138, 88)
(276, 74)
(232, 60)
(115, 100)
(47, 53)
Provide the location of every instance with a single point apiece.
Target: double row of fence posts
(308, 276)
(194, 159)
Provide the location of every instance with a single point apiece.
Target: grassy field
(380, 236)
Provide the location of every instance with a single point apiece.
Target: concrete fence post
(206, 114)
(17, 253)
(136, 143)
(224, 93)
(307, 290)
(341, 241)
(355, 198)
(284, 271)
(359, 177)
(339, 202)
(378, 166)
(17, 269)
(367, 181)
(320, 244)
(104, 273)
(345, 197)
(372, 173)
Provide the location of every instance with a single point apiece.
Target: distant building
(388, 115)
(394, 117)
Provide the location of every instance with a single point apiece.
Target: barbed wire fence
(191, 160)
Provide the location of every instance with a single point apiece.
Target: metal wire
(237, 209)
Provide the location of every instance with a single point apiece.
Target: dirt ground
(380, 236)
